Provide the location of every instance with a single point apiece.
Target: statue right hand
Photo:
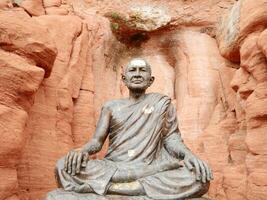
(74, 160)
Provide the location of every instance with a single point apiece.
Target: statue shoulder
(159, 96)
(112, 103)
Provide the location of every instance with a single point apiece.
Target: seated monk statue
(146, 155)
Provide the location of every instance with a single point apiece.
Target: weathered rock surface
(49, 124)
(247, 16)
(249, 82)
(25, 58)
(138, 19)
(33, 7)
(51, 3)
(38, 48)
(5, 4)
(56, 11)
(204, 96)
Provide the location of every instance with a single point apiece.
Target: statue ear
(123, 77)
(151, 80)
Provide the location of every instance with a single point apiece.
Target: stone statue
(146, 155)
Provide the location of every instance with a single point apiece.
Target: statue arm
(172, 140)
(77, 159)
(176, 147)
(101, 133)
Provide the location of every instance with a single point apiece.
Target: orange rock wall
(248, 143)
(62, 59)
(26, 57)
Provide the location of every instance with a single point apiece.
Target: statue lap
(60, 194)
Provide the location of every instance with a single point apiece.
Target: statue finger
(202, 171)
(211, 174)
(79, 162)
(66, 162)
(84, 159)
(70, 161)
(188, 165)
(196, 165)
(208, 172)
(74, 163)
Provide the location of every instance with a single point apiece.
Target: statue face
(137, 75)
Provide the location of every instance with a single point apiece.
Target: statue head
(137, 75)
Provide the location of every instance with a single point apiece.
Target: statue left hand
(203, 172)
(74, 160)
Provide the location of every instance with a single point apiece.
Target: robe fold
(137, 135)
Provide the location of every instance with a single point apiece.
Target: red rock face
(62, 59)
(249, 82)
(25, 58)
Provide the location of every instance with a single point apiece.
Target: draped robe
(138, 134)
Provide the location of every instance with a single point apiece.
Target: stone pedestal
(60, 194)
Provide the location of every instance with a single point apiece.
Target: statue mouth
(136, 81)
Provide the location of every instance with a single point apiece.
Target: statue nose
(137, 73)
(137, 76)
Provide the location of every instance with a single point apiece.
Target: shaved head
(138, 62)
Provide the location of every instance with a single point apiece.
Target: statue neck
(136, 95)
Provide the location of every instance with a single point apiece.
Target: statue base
(60, 194)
